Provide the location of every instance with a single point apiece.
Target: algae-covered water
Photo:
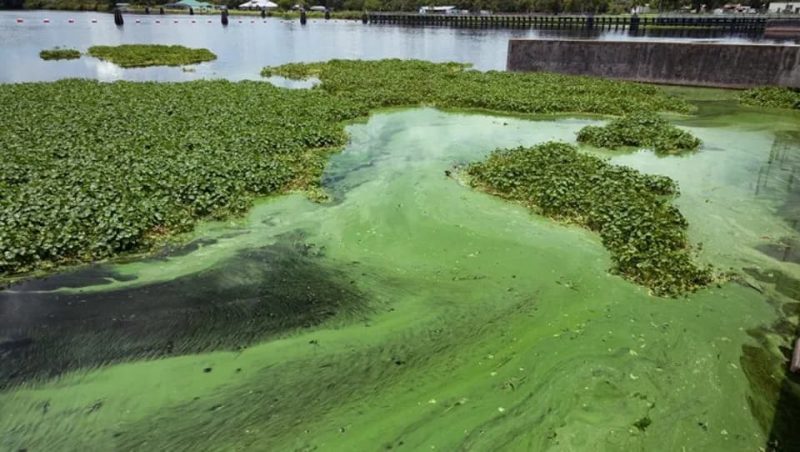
(411, 312)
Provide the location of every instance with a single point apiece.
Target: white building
(784, 7)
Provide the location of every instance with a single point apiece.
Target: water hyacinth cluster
(631, 211)
(142, 55)
(133, 163)
(389, 83)
(771, 97)
(59, 54)
(640, 129)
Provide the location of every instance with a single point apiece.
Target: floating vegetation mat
(772, 97)
(59, 54)
(631, 211)
(135, 163)
(143, 55)
(644, 130)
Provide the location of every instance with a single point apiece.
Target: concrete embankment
(678, 63)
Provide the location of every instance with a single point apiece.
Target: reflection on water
(244, 48)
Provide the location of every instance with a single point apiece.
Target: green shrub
(630, 211)
(59, 54)
(640, 129)
(141, 55)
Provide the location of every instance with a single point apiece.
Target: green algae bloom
(143, 55)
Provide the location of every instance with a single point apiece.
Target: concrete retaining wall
(675, 63)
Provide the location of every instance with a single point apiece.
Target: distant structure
(189, 5)
(784, 7)
(259, 4)
(438, 10)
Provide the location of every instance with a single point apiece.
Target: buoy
(252, 21)
(94, 21)
(47, 21)
(72, 21)
(138, 21)
(209, 21)
(19, 21)
(158, 21)
(174, 21)
(194, 22)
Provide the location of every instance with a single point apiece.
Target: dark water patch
(254, 295)
(341, 178)
(171, 250)
(774, 399)
(784, 284)
(713, 113)
(284, 399)
(103, 274)
(780, 174)
(90, 275)
(786, 250)
(775, 391)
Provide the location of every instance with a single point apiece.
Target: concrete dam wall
(675, 63)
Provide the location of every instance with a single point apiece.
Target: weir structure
(575, 22)
(665, 62)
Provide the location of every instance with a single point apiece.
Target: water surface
(426, 315)
(249, 43)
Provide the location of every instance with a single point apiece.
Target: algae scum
(413, 312)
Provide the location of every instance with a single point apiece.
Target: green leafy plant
(141, 55)
(631, 211)
(59, 54)
(640, 129)
(771, 97)
(133, 163)
(389, 83)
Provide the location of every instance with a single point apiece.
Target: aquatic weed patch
(387, 83)
(631, 211)
(59, 54)
(142, 55)
(640, 129)
(133, 163)
(771, 97)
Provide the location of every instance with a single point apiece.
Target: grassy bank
(136, 162)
